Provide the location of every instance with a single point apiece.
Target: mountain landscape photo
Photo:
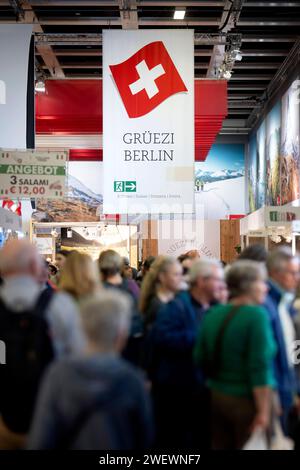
(80, 204)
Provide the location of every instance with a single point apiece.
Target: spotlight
(69, 233)
(40, 86)
(237, 55)
(227, 74)
(179, 13)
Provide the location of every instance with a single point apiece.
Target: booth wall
(273, 157)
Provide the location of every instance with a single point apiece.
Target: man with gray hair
(177, 383)
(284, 276)
(98, 401)
(35, 325)
(21, 266)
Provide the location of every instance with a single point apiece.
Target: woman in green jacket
(235, 348)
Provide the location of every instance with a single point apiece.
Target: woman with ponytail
(160, 285)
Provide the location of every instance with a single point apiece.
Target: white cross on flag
(146, 79)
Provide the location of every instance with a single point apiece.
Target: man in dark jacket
(180, 398)
(97, 401)
(284, 276)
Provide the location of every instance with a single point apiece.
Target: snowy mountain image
(78, 190)
(80, 205)
(219, 175)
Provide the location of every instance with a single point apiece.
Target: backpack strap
(216, 359)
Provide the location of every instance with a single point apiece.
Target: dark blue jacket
(285, 376)
(174, 334)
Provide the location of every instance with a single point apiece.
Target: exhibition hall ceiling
(246, 42)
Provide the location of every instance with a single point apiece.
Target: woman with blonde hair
(160, 285)
(79, 276)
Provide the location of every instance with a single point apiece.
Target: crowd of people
(183, 354)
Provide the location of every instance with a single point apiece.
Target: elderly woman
(97, 401)
(235, 348)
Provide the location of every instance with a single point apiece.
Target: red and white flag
(15, 207)
(146, 79)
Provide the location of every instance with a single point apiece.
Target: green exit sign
(125, 186)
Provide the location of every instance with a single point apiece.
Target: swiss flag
(146, 79)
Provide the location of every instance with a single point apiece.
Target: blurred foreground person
(160, 285)
(97, 402)
(61, 258)
(180, 398)
(256, 252)
(235, 349)
(36, 324)
(284, 276)
(110, 267)
(146, 265)
(79, 276)
(128, 272)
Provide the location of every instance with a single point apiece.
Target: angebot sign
(32, 174)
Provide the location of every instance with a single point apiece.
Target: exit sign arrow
(125, 186)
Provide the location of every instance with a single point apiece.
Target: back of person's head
(20, 257)
(242, 275)
(106, 320)
(183, 257)
(148, 262)
(110, 263)
(153, 279)
(64, 253)
(193, 254)
(204, 268)
(256, 252)
(79, 275)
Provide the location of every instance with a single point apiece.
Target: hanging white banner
(14, 57)
(148, 121)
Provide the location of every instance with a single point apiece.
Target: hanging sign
(148, 121)
(32, 174)
(14, 85)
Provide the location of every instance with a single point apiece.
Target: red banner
(74, 107)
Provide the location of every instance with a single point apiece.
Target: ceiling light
(237, 55)
(40, 86)
(179, 13)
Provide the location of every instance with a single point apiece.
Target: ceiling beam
(261, 38)
(241, 87)
(269, 23)
(45, 50)
(128, 14)
(92, 21)
(263, 53)
(256, 66)
(272, 4)
(109, 3)
(255, 78)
